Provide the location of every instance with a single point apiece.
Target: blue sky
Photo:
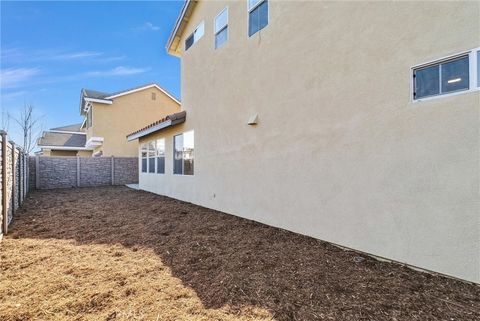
(50, 50)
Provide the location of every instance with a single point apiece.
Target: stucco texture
(340, 151)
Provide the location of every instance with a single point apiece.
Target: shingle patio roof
(62, 140)
(69, 128)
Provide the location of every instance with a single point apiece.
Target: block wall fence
(14, 183)
(69, 171)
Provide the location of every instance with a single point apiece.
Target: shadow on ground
(236, 262)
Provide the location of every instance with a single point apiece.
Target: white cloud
(147, 26)
(14, 77)
(151, 26)
(22, 55)
(117, 71)
(77, 55)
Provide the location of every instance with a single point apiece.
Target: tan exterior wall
(127, 114)
(340, 152)
(48, 152)
(84, 153)
(63, 153)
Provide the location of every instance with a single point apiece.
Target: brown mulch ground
(117, 254)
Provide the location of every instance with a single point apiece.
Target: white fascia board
(63, 147)
(66, 132)
(100, 101)
(149, 130)
(143, 88)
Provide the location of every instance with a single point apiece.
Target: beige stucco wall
(340, 152)
(84, 153)
(126, 114)
(48, 152)
(62, 153)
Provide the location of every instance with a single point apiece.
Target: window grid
(221, 30)
(470, 74)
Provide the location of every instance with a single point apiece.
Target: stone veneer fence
(14, 180)
(47, 172)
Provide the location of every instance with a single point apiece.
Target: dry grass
(117, 254)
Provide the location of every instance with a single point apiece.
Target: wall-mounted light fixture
(253, 120)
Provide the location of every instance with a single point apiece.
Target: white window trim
(472, 74)
(256, 5)
(248, 16)
(217, 32)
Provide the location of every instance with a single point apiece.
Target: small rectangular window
(257, 16)
(195, 36)
(89, 117)
(183, 153)
(221, 28)
(161, 156)
(442, 78)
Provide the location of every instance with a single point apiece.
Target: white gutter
(65, 132)
(63, 147)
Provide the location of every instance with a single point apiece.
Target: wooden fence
(14, 180)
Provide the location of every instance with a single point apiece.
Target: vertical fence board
(13, 186)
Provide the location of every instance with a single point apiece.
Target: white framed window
(257, 15)
(196, 35)
(183, 153)
(144, 157)
(447, 76)
(90, 117)
(160, 155)
(151, 157)
(220, 28)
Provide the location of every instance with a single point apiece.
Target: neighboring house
(108, 117)
(352, 122)
(64, 141)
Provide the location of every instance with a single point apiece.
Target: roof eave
(182, 20)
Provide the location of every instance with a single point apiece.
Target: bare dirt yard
(117, 254)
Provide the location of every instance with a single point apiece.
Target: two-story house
(108, 117)
(352, 122)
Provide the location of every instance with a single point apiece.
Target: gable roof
(180, 25)
(140, 88)
(62, 140)
(168, 121)
(69, 128)
(106, 98)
